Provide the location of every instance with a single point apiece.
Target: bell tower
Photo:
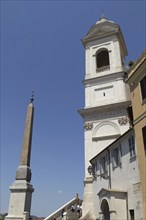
(106, 94)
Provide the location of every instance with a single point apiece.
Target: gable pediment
(100, 30)
(104, 192)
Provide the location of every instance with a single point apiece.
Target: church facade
(112, 179)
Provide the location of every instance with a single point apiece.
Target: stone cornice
(138, 119)
(104, 108)
(103, 77)
(132, 71)
(88, 180)
(107, 137)
(85, 41)
(104, 191)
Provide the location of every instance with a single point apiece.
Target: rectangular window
(103, 165)
(132, 214)
(144, 137)
(143, 87)
(131, 146)
(130, 114)
(116, 156)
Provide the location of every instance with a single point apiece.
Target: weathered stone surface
(23, 173)
(26, 146)
(21, 189)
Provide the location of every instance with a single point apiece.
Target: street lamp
(90, 170)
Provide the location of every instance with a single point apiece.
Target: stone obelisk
(21, 190)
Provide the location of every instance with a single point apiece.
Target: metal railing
(104, 68)
(66, 207)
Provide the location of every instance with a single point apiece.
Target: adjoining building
(137, 83)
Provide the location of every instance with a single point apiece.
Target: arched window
(105, 210)
(102, 60)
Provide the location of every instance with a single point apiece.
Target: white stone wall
(113, 46)
(20, 199)
(106, 91)
(106, 129)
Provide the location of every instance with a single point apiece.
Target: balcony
(103, 68)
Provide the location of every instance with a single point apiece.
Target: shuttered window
(103, 164)
(116, 156)
(131, 146)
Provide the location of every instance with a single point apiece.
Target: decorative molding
(123, 121)
(88, 180)
(115, 39)
(138, 119)
(108, 137)
(100, 45)
(104, 109)
(136, 187)
(98, 135)
(87, 47)
(88, 126)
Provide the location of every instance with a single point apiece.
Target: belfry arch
(102, 58)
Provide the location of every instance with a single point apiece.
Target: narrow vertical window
(144, 137)
(132, 214)
(131, 146)
(116, 156)
(143, 87)
(103, 165)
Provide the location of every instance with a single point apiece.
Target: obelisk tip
(32, 97)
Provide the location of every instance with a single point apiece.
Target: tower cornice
(104, 108)
(109, 76)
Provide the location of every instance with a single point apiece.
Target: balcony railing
(103, 68)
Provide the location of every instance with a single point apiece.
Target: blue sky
(41, 50)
